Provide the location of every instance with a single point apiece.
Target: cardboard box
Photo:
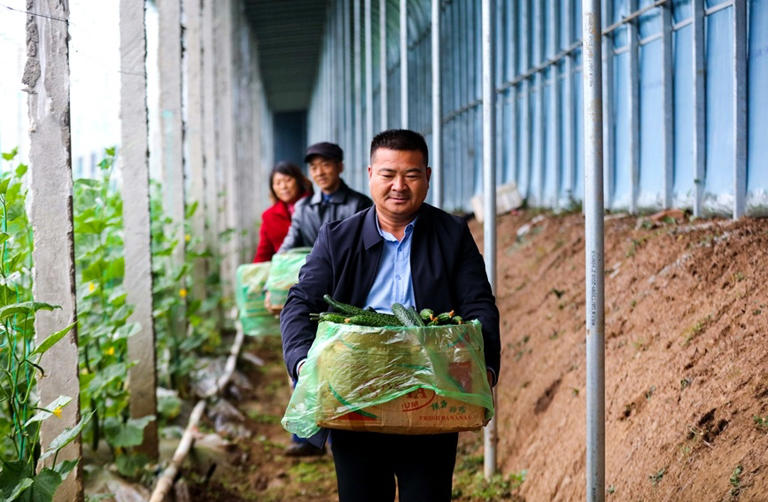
(418, 412)
(360, 364)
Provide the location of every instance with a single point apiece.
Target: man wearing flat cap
(334, 201)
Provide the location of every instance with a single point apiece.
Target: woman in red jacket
(287, 185)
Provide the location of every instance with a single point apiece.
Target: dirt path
(686, 371)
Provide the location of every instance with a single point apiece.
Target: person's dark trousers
(367, 464)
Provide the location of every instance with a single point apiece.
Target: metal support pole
(357, 127)
(634, 111)
(489, 195)
(383, 62)
(699, 105)
(593, 213)
(404, 64)
(669, 112)
(554, 29)
(437, 110)
(609, 132)
(739, 107)
(368, 78)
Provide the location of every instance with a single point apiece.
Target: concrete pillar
(134, 160)
(169, 63)
(225, 140)
(193, 132)
(211, 185)
(46, 77)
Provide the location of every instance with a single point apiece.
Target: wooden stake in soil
(166, 480)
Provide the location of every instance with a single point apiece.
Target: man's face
(398, 180)
(325, 173)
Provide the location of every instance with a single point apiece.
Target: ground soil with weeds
(686, 323)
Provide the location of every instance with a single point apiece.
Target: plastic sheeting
(540, 141)
(350, 368)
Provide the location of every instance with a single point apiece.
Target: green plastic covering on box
(352, 367)
(249, 295)
(284, 274)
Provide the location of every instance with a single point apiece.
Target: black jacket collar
(371, 235)
(337, 197)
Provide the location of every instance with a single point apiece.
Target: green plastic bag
(284, 273)
(249, 296)
(352, 367)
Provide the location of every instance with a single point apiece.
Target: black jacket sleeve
(476, 297)
(315, 280)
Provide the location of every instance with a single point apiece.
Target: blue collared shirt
(393, 283)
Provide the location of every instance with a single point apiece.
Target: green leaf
(10, 155)
(21, 170)
(51, 340)
(19, 489)
(24, 308)
(110, 151)
(59, 402)
(12, 474)
(65, 467)
(4, 237)
(131, 465)
(127, 434)
(66, 437)
(46, 482)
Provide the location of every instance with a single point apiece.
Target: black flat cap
(326, 150)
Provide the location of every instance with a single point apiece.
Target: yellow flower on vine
(91, 287)
(187, 238)
(183, 293)
(57, 411)
(111, 351)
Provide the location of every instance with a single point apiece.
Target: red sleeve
(266, 248)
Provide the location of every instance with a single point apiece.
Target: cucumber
(415, 316)
(343, 307)
(402, 315)
(427, 314)
(373, 320)
(457, 319)
(329, 316)
(445, 317)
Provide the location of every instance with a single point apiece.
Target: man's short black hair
(401, 139)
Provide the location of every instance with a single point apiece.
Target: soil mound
(686, 317)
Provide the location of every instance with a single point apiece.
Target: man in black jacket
(401, 250)
(334, 201)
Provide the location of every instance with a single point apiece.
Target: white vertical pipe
(739, 106)
(634, 111)
(383, 98)
(569, 160)
(699, 104)
(437, 110)
(489, 195)
(357, 99)
(608, 124)
(368, 77)
(538, 32)
(404, 64)
(669, 112)
(593, 212)
(554, 28)
(347, 50)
